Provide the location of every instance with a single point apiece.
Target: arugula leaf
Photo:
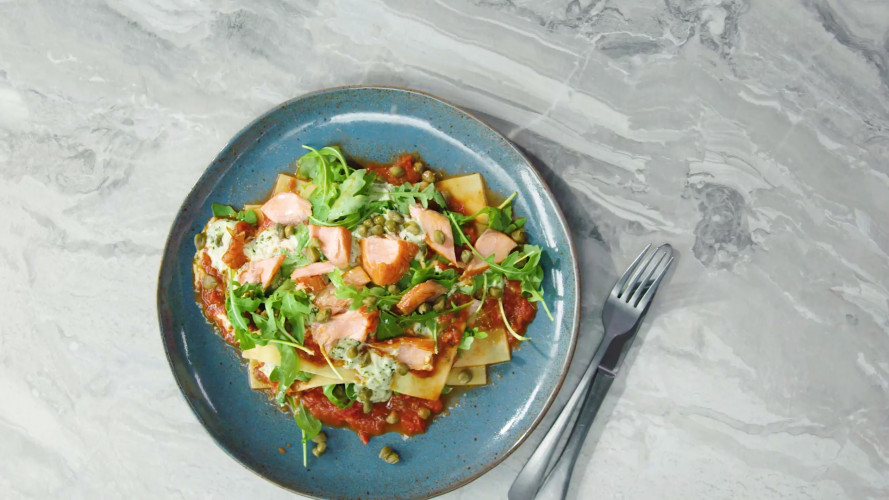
(341, 395)
(469, 335)
(220, 210)
(248, 216)
(240, 300)
(402, 197)
(309, 425)
(304, 376)
(343, 291)
(389, 328)
(296, 258)
(295, 307)
(418, 274)
(349, 200)
(285, 373)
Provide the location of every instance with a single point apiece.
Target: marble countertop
(752, 136)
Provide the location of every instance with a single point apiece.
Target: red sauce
(454, 323)
(234, 257)
(213, 300)
(373, 423)
(518, 309)
(404, 161)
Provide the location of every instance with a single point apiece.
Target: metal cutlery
(622, 314)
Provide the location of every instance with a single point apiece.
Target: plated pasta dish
(360, 293)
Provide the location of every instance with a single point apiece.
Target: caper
(391, 226)
(518, 236)
(392, 289)
(376, 230)
(438, 236)
(200, 240)
(440, 304)
(288, 231)
(368, 222)
(208, 282)
(368, 407)
(352, 351)
(412, 227)
(314, 243)
(424, 413)
(466, 256)
(423, 308)
(312, 254)
(401, 369)
(369, 301)
(363, 359)
(396, 171)
(464, 376)
(389, 455)
(429, 176)
(419, 167)
(392, 418)
(379, 220)
(362, 397)
(362, 231)
(495, 291)
(323, 315)
(319, 449)
(320, 437)
(423, 185)
(397, 217)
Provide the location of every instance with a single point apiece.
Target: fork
(624, 310)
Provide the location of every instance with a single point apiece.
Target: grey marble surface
(752, 135)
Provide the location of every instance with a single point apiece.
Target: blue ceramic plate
(485, 424)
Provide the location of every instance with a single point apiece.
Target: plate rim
(166, 263)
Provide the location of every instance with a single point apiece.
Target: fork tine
(649, 294)
(618, 287)
(647, 271)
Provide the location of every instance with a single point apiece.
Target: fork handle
(601, 383)
(533, 474)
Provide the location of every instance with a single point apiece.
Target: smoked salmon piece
(416, 352)
(287, 208)
(386, 259)
(433, 221)
(311, 284)
(336, 243)
(356, 277)
(312, 270)
(348, 325)
(491, 242)
(261, 271)
(420, 293)
(327, 299)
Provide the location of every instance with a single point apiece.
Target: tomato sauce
(404, 161)
(374, 423)
(518, 309)
(213, 299)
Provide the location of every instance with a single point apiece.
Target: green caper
(495, 291)
(429, 176)
(320, 437)
(392, 418)
(200, 240)
(352, 351)
(518, 236)
(322, 316)
(319, 449)
(379, 220)
(438, 236)
(396, 171)
(368, 222)
(419, 167)
(376, 230)
(367, 393)
(424, 413)
(412, 227)
(369, 301)
(439, 304)
(392, 289)
(208, 282)
(312, 254)
(288, 231)
(362, 396)
(466, 256)
(363, 359)
(368, 407)
(314, 243)
(397, 217)
(423, 308)
(401, 369)
(423, 185)
(361, 230)
(391, 226)
(464, 376)
(389, 455)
